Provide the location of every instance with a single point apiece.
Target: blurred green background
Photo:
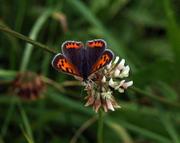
(144, 32)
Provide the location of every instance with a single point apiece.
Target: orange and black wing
(61, 63)
(105, 59)
(95, 49)
(72, 49)
(74, 52)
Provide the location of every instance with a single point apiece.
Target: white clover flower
(100, 90)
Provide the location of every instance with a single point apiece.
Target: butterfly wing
(61, 63)
(105, 59)
(74, 52)
(95, 49)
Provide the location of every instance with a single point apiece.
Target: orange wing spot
(62, 64)
(95, 44)
(101, 62)
(66, 67)
(72, 45)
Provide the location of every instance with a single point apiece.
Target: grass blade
(26, 125)
(33, 35)
(144, 132)
(121, 131)
(168, 124)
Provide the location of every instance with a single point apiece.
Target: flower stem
(100, 127)
(25, 38)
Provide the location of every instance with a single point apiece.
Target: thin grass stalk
(27, 39)
(26, 125)
(100, 127)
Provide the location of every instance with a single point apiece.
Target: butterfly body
(82, 61)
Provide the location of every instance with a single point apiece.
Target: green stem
(8, 118)
(100, 127)
(25, 38)
(26, 128)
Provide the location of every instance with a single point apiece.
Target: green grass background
(144, 32)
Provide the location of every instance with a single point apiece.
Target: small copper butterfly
(82, 61)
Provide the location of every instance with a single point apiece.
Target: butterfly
(82, 61)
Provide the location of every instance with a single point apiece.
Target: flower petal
(116, 60)
(116, 72)
(97, 103)
(112, 83)
(125, 72)
(90, 100)
(121, 90)
(103, 79)
(120, 66)
(109, 104)
(127, 84)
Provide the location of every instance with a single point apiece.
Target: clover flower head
(102, 84)
(28, 86)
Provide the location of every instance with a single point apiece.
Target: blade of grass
(144, 132)
(26, 136)
(26, 123)
(116, 6)
(7, 73)
(20, 14)
(100, 127)
(33, 35)
(1, 140)
(8, 117)
(120, 131)
(173, 31)
(168, 124)
(84, 126)
(47, 58)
